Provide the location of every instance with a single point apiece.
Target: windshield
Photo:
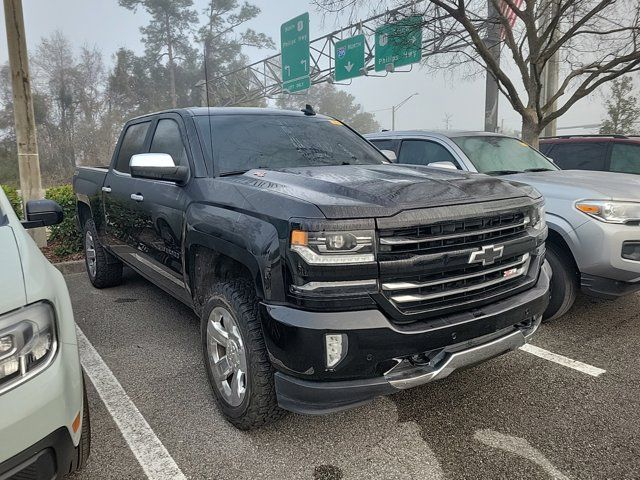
(502, 155)
(245, 142)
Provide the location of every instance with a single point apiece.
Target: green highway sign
(349, 58)
(294, 38)
(399, 44)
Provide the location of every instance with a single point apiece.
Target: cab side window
(167, 139)
(386, 145)
(580, 156)
(132, 144)
(424, 152)
(625, 158)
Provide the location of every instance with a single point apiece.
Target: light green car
(44, 418)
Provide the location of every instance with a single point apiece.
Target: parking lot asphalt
(517, 416)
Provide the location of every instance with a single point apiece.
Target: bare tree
(623, 111)
(597, 42)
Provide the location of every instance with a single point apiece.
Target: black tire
(84, 447)
(259, 405)
(108, 269)
(564, 283)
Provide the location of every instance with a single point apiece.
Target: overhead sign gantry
(382, 43)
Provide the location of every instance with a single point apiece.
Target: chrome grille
(440, 254)
(452, 234)
(456, 284)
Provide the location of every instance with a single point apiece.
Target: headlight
(331, 248)
(27, 343)
(538, 217)
(610, 211)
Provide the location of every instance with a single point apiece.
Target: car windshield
(244, 142)
(502, 155)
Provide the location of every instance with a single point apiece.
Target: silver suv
(593, 217)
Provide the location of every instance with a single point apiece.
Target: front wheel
(235, 356)
(564, 283)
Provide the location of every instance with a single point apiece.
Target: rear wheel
(564, 283)
(235, 356)
(104, 269)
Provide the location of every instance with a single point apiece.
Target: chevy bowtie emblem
(487, 255)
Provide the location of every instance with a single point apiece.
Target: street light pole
(28, 160)
(395, 108)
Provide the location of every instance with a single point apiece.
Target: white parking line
(147, 448)
(562, 360)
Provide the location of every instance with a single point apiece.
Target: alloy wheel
(227, 356)
(90, 254)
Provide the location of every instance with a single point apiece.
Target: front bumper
(36, 410)
(379, 351)
(598, 254)
(51, 458)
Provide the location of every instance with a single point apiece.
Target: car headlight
(610, 211)
(334, 248)
(538, 217)
(27, 343)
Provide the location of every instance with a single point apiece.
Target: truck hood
(361, 191)
(582, 184)
(11, 277)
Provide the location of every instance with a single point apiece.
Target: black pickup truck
(323, 275)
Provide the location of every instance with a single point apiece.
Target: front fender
(251, 241)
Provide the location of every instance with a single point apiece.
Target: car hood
(361, 191)
(582, 184)
(13, 291)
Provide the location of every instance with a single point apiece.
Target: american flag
(507, 12)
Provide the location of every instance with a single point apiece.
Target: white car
(44, 418)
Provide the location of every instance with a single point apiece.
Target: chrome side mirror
(157, 166)
(391, 155)
(443, 165)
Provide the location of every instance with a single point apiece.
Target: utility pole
(492, 92)
(552, 70)
(28, 160)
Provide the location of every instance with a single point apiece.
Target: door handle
(106, 189)
(137, 197)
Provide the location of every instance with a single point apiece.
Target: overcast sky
(109, 26)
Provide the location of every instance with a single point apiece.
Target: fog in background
(108, 26)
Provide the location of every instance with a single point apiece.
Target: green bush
(66, 237)
(14, 199)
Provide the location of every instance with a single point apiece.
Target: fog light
(631, 251)
(336, 348)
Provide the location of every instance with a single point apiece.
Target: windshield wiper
(502, 172)
(541, 169)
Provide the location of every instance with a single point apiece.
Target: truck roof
(204, 111)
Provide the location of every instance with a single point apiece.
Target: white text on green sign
(294, 38)
(399, 44)
(349, 58)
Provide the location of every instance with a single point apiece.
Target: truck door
(122, 219)
(161, 206)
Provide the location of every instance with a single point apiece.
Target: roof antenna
(308, 110)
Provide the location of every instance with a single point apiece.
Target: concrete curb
(69, 268)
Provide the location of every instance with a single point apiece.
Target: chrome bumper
(406, 375)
